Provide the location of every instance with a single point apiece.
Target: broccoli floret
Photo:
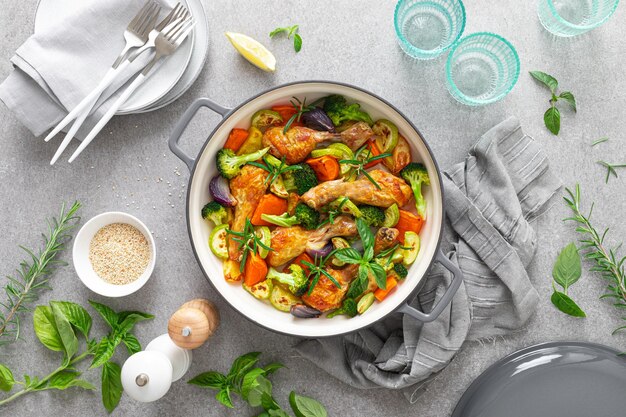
(348, 307)
(301, 180)
(340, 111)
(400, 270)
(416, 175)
(304, 215)
(296, 280)
(373, 216)
(215, 212)
(229, 164)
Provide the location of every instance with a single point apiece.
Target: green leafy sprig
(290, 31)
(31, 279)
(606, 260)
(357, 165)
(251, 383)
(301, 108)
(566, 272)
(366, 262)
(552, 116)
(248, 242)
(274, 170)
(610, 169)
(58, 327)
(317, 269)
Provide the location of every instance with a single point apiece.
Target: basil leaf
(548, 80)
(380, 275)
(566, 304)
(76, 315)
(46, 329)
(65, 331)
(569, 98)
(107, 313)
(127, 321)
(272, 367)
(348, 255)
(306, 407)
(81, 383)
(6, 379)
(552, 119)
(250, 381)
(210, 379)
(131, 343)
(104, 352)
(567, 268)
(111, 385)
(297, 42)
(359, 285)
(366, 234)
(66, 379)
(262, 386)
(242, 364)
(223, 396)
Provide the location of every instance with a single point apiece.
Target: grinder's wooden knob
(192, 324)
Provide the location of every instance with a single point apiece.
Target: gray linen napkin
(490, 200)
(58, 66)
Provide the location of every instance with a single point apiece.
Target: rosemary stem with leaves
(32, 275)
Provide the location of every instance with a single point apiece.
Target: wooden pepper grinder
(193, 323)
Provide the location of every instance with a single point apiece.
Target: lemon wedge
(253, 51)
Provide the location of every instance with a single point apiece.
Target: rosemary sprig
(275, 170)
(606, 260)
(599, 141)
(301, 108)
(317, 268)
(358, 165)
(32, 276)
(610, 169)
(248, 242)
(333, 213)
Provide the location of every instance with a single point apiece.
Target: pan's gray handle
(457, 278)
(184, 121)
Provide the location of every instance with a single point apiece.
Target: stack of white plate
(172, 79)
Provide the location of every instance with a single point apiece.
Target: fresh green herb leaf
(109, 316)
(250, 381)
(599, 141)
(297, 42)
(548, 80)
(361, 160)
(567, 268)
(210, 379)
(6, 378)
(610, 169)
(306, 407)
(569, 98)
(380, 275)
(565, 304)
(262, 387)
(111, 385)
(31, 279)
(76, 315)
(66, 379)
(248, 241)
(65, 331)
(46, 329)
(272, 367)
(223, 396)
(104, 351)
(348, 255)
(129, 320)
(552, 120)
(131, 343)
(242, 364)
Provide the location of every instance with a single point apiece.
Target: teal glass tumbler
(574, 17)
(426, 29)
(482, 68)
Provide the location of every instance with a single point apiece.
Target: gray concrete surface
(345, 41)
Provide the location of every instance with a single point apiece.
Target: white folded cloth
(60, 64)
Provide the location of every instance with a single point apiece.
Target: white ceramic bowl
(84, 269)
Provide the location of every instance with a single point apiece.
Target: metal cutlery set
(142, 34)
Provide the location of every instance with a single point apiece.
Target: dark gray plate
(560, 379)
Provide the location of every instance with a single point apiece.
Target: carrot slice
(236, 138)
(409, 222)
(374, 151)
(255, 269)
(326, 167)
(380, 294)
(269, 204)
(285, 111)
(299, 261)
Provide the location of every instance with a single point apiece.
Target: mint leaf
(548, 80)
(6, 379)
(566, 304)
(569, 98)
(297, 42)
(111, 385)
(552, 119)
(567, 268)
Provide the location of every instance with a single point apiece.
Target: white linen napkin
(59, 65)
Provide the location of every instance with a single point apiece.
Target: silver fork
(136, 34)
(166, 43)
